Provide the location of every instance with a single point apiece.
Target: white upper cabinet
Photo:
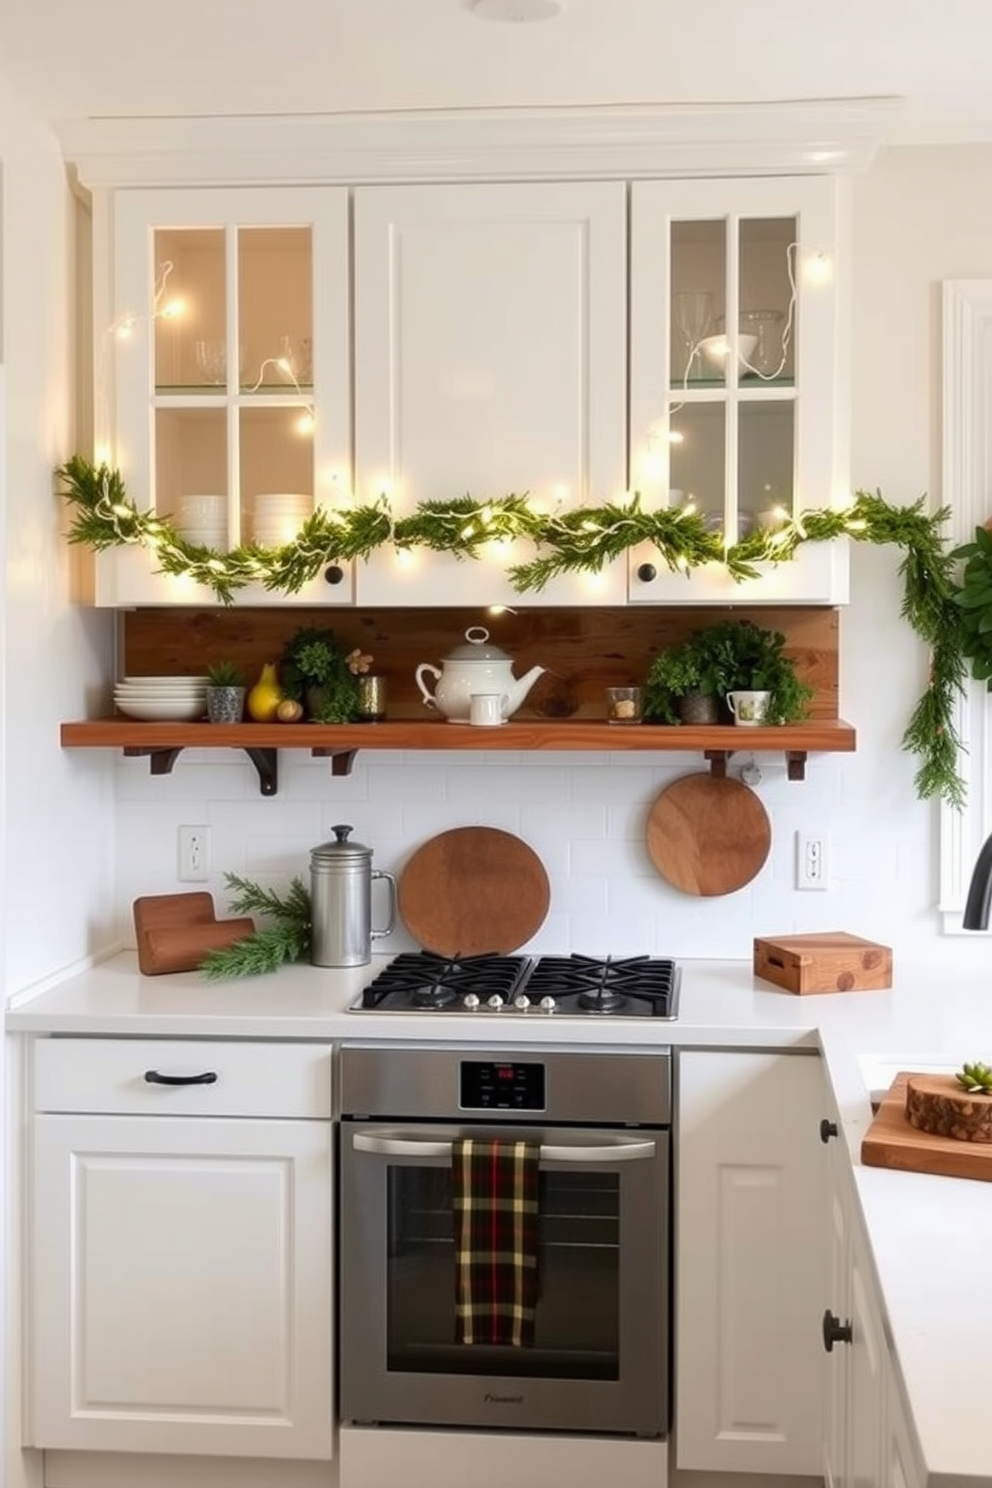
(223, 375)
(490, 358)
(736, 364)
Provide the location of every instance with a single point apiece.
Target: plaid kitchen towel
(494, 1193)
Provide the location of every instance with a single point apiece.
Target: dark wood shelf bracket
(342, 760)
(718, 762)
(160, 761)
(266, 762)
(795, 764)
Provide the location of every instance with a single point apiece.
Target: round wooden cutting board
(474, 891)
(708, 836)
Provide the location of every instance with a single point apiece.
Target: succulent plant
(975, 1078)
(225, 674)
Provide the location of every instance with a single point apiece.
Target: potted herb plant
(225, 692)
(688, 683)
(316, 672)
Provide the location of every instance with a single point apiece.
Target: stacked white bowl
(203, 520)
(278, 516)
(161, 699)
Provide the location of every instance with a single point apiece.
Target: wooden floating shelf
(162, 743)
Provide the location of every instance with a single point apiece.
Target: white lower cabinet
(869, 1441)
(750, 1259)
(181, 1259)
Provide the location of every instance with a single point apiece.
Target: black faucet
(979, 901)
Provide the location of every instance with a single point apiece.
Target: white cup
(485, 709)
(749, 708)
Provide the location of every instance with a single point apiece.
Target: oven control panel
(488, 1085)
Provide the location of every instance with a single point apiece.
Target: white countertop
(931, 1237)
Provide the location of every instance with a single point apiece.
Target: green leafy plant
(974, 601)
(975, 1078)
(720, 658)
(285, 941)
(316, 672)
(225, 674)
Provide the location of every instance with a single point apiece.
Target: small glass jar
(371, 705)
(624, 704)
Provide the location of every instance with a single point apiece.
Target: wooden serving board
(708, 835)
(890, 1142)
(474, 891)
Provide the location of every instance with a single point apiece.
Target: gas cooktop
(572, 986)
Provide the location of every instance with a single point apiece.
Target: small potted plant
(225, 692)
(689, 683)
(316, 672)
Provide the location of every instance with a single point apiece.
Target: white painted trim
(819, 137)
(967, 489)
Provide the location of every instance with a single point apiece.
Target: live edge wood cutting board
(708, 835)
(890, 1142)
(474, 891)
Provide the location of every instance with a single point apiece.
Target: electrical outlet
(194, 854)
(812, 860)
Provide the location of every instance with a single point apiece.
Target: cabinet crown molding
(692, 140)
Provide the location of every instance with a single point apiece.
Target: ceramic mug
(485, 709)
(749, 708)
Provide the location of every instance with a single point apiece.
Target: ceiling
(123, 58)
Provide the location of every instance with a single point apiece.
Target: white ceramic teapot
(473, 668)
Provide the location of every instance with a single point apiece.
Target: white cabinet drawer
(250, 1079)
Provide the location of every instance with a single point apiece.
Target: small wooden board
(174, 932)
(830, 961)
(708, 835)
(474, 891)
(890, 1142)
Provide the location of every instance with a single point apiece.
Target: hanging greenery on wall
(103, 516)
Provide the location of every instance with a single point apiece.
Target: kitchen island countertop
(931, 1237)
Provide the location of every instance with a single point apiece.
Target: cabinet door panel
(750, 1261)
(182, 1286)
(490, 358)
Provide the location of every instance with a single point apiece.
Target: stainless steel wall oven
(599, 1357)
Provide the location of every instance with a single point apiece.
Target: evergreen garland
(267, 949)
(582, 540)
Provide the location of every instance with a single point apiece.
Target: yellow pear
(264, 698)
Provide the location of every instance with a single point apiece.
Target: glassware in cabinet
(734, 387)
(231, 312)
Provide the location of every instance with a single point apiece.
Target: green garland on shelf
(581, 540)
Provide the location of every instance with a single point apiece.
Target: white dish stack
(161, 699)
(278, 517)
(203, 520)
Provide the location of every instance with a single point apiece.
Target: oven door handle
(611, 1152)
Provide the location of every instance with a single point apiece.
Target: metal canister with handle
(341, 876)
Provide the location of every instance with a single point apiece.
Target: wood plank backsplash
(583, 650)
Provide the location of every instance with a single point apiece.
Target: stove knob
(495, 1002)
(521, 1001)
(471, 1001)
(548, 1004)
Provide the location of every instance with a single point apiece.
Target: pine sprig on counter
(274, 946)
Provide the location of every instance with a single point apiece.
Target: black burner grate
(422, 980)
(631, 985)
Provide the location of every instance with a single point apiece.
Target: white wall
(920, 216)
(58, 834)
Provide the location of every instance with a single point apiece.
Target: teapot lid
(477, 650)
(340, 850)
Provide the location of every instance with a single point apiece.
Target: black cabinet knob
(834, 1331)
(334, 574)
(828, 1129)
(646, 572)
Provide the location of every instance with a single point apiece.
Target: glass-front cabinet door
(223, 377)
(734, 398)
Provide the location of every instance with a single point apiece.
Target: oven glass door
(598, 1361)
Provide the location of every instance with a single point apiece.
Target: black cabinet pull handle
(209, 1077)
(334, 574)
(828, 1129)
(647, 572)
(834, 1331)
